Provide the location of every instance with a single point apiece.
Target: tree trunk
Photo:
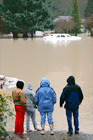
(15, 35)
(91, 33)
(25, 35)
(32, 34)
(75, 34)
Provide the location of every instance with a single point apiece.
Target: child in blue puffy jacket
(45, 98)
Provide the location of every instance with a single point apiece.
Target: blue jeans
(69, 120)
(43, 118)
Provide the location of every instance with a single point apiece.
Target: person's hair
(20, 84)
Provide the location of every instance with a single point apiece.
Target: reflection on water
(59, 43)
(31, 60)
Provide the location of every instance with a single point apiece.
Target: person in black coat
(72, 96)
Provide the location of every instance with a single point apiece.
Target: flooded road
(31, 60)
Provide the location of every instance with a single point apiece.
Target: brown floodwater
(31, 60)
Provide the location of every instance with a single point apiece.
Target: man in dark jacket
(72, 96)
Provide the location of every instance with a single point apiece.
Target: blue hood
(44, 83)
(45, 97)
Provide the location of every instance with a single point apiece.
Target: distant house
(62, 18)
(66, 18)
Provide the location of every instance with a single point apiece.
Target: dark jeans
(69, 120)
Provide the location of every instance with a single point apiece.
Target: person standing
(72, 96)
(30, 108)
(19, 99)
(45, 98)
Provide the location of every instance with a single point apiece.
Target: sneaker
(52, 132)
(21, 135)
(51, 129)
(42, 132)
(43, 129)
(70, 133)
(29, 131)
(76, 132)
(37, 129)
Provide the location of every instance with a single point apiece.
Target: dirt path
(58, 135)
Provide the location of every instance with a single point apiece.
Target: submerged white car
(61, 37)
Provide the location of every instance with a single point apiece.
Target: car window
(58, 36)
(62, 35)
(68, 35)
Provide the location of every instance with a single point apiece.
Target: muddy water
(30, 60)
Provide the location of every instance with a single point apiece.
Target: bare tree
(89, 24)
(64, 26)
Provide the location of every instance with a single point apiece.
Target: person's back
(29, 95)
(72, 96)
(19, 99)
(30, 108)
(45, 98)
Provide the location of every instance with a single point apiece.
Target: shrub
(5, 111)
